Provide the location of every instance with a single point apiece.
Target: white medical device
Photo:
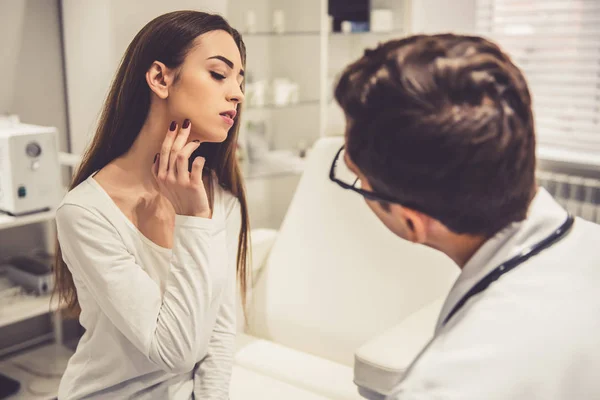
(30, 179)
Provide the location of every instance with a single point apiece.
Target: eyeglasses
(343, 176)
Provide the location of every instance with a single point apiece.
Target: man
(440, 138)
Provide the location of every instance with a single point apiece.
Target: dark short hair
(445, 122)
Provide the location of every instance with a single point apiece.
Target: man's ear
(159, 79)
(416, 223)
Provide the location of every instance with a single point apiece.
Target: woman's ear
(159, 79)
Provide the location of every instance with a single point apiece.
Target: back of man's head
(443, 122)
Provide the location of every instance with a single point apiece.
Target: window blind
(556, 43)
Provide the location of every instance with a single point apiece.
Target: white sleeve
(211, 381)
(166, 328)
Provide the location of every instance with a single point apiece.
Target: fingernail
(186, 123)
(173, 126)
(155, 157)
(196, 141)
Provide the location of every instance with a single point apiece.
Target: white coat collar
(544, 216)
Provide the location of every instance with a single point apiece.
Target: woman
(150, 239)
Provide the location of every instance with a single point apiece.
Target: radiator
(580, 196)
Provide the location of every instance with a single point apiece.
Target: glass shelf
(369, 33)
(24, 306)
(317, 33)
(277, 163)
(270, 34)
(7, 221)
(283, 106)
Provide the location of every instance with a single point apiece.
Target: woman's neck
(136, 165)
(134, 168)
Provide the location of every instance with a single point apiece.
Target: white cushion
(262, 241)
(251, 385)
(381, 363)
(336, 277)
(299, 369)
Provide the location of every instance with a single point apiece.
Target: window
(557, 45)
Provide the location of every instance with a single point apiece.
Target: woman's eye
(217, 76)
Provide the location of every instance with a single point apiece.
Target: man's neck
(460, 248)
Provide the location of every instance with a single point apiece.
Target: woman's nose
(237, 95)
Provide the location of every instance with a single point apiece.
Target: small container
(346, 26)
(382, 20)
(278, 21)
(250, 21)
(257, 141)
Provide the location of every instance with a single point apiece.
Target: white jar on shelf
(346, 26)
(284, 91)
(381, 20)
(256, 93)
(250, 21)
(278, 21)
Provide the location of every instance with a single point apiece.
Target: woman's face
(208, 89)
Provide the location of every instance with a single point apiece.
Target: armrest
(380, 364)
(262, 242)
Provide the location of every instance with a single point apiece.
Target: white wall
(89, 63)
(32, 66)
(11, 26)
(97, 32)
(439, 16)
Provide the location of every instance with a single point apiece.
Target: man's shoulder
(499, 346)
(528, 305)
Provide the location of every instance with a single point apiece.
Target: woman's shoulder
(86, 208)
(86, 196)
(82, 194)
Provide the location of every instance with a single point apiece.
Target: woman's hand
(184, 189)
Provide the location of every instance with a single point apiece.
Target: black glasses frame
(367, 194)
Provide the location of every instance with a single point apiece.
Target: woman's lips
(227, 119)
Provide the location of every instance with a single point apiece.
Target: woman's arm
(167, 328)
(213, 374)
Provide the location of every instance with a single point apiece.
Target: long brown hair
(167, 38)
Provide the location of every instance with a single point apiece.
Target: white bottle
(346, 26)
(250, 21)
(278, 21)
(381, 20)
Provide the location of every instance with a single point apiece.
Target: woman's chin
(217, 136)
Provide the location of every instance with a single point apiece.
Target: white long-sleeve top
(159, 323)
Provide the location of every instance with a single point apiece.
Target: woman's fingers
(197, 168)
(165, 151)
(183, 157)
(179, 143)
(184, 189)
(155, 165)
